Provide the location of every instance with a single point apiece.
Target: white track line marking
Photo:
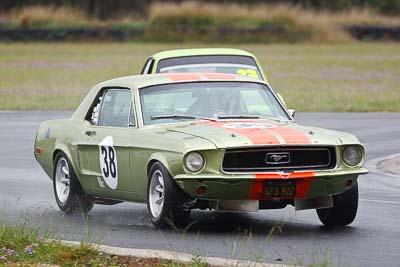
(380, 201)
(372, 165)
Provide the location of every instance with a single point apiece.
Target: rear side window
(116, 107)
(148, 67)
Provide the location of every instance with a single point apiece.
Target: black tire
(344, 208)
(173, 213)
(77, 200)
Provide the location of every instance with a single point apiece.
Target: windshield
(242, 65)
(212, 100)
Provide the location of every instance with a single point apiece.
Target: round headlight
(352, 155)
(194, 161)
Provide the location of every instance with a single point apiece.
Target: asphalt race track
(372, 240)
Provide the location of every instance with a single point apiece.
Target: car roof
(139, 81)
(200, 52)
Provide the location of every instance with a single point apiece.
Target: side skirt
(105, 201)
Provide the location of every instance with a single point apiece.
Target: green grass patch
(352, 77)
(26, 245)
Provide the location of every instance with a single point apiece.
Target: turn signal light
(348, 183)
(201, 190)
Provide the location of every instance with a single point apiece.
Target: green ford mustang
(197, 141)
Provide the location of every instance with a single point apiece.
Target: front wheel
(69, 194)
(344, 208)
(165, 201)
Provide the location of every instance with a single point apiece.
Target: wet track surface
(372, 240)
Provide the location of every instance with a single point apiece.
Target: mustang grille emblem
(277, 158)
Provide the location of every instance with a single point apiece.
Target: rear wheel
(69, 194)
(165, 201)
(344, 208)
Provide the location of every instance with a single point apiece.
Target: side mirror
(281, 99)
(292, 112)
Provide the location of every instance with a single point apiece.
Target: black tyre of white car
(68, 192)
(344, 208)
(165, 200)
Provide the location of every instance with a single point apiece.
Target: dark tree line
(104, 9)
(101, 9)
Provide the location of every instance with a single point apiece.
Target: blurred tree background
(233, 21)
(105, 9)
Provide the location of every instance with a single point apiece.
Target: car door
(105, 154)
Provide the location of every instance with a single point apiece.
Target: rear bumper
(251, 186)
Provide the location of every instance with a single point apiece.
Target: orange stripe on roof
(291, 136)
(183, 76)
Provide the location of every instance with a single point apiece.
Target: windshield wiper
(180, 116)
(207, 119)
(172, 116)
(275, 119)
(239, 117)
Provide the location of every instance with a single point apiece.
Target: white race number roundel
(108, 162)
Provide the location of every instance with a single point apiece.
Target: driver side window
(116, 108)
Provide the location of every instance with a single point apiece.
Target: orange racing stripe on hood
(291, 136)
(256, 135)
(261, 133)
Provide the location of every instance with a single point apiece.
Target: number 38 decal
(108, 162)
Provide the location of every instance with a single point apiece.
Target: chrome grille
(279, 158)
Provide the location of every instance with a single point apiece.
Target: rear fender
(61, 147)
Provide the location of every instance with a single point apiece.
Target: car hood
(236, 133)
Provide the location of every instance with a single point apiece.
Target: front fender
(172, 161)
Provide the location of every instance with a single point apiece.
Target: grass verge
(25, 245)
(337, 78)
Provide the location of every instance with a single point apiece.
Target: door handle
(90, 133)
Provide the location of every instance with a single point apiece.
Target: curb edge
(173, 255)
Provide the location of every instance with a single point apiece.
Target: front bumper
(251, 186)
